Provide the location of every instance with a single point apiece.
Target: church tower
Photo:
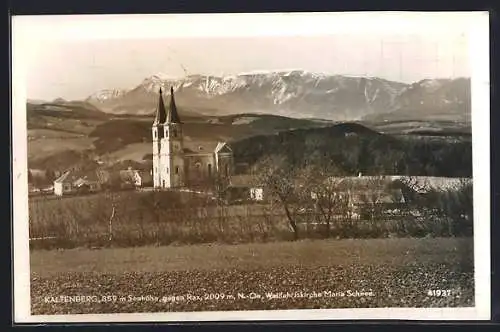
(168, 152)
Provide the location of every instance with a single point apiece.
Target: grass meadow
(131, 218)
(165, 251)
(305, 274)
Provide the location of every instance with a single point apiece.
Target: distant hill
(61, 160)
(60, 135)
(298, 94)
(356, 148)
(115, 134)
(64, 109)
(431, 100)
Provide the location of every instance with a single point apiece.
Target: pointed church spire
(173, 116)
(161, 113)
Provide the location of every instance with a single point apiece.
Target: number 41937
(439, 292)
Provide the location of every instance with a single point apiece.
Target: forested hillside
(355, 148)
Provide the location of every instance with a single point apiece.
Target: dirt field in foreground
(305, 274)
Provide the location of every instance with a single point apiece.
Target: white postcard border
(30, 30)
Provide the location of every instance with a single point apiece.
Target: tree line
(318, 193)
(306, 199)
(356, 149)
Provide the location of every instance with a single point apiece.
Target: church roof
(173, 116)
(161, 114)
(199, 146)
(193, 147)
(221, 146)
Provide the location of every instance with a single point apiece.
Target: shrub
(169, 217)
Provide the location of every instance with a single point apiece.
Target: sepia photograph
(251, 166)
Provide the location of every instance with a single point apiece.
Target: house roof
(62, 178)
(203, 146)
(243, 180)
(126, 175)
(424, 184)
(378, 196)
(386, 188)
(421, 184)
(78, 178)
(145, 176)
(343, 183)
(365, 182)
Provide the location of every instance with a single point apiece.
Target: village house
(77, 181)
(143, 178)
(245, 187)
(426, 184)
(134, 178)
(363, 193)
(73, 182)
(359, 190)
(33, 190)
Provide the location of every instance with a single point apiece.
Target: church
(181, 164)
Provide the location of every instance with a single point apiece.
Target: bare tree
(454, 206)
(220, 186)
(371, 198)
(278, 178)
(323, 184)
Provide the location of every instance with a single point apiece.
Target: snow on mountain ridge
(282, 85)
(104, 95)
(258, 72)
(294, 92)
(432, 84)
(165, 77)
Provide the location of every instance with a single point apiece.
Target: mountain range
(114, 126)
(297, 94)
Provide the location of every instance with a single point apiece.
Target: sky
(74, 68)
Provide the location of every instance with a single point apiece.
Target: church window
(174, 133)
(154, 134)
(209, 169)
(176, 169)
(167, 170)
